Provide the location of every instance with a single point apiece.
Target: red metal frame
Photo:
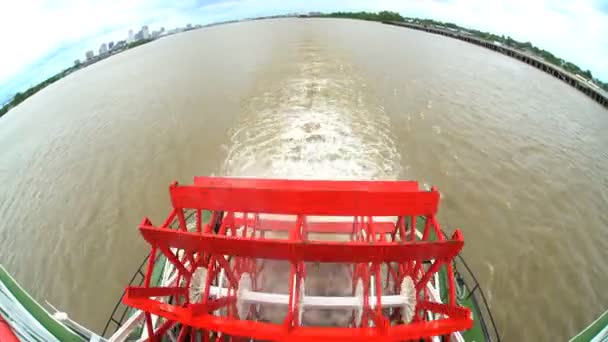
(311, 198)
(233, 242)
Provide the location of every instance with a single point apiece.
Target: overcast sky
(40, 38)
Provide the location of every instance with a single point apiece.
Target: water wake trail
(317, 123)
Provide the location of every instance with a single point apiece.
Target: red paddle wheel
(243, 229)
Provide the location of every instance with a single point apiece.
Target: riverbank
(540, 59)
(22, 96)
(595, 93)
(527, 48)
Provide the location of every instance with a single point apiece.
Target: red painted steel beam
(268, 331)
(6, 331)
(146, 292)
(298, 185)
(326, 251)
(340, 202)
(160, 331)
(451, 311)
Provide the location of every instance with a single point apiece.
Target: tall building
(130, 39)
(145, 33)
(103, 49)
(90, 55)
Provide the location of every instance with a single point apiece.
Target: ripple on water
(308, 126)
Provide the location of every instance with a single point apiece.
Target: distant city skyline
(107, 49)
(89, 53)
(52, 34)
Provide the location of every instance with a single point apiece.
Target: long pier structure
(598, 95)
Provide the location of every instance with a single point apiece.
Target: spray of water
(318, 123)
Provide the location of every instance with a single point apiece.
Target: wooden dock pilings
(598, 96)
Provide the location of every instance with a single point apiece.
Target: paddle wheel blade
(300, 260)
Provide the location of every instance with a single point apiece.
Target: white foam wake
(320, 122)
(316, 124)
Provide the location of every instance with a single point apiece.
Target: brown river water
(521, 159)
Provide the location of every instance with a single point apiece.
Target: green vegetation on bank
(380, 16)
(22, 96)
(507, 41)
(510, 42)
(138, 43)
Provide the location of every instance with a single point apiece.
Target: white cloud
(31, 30)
